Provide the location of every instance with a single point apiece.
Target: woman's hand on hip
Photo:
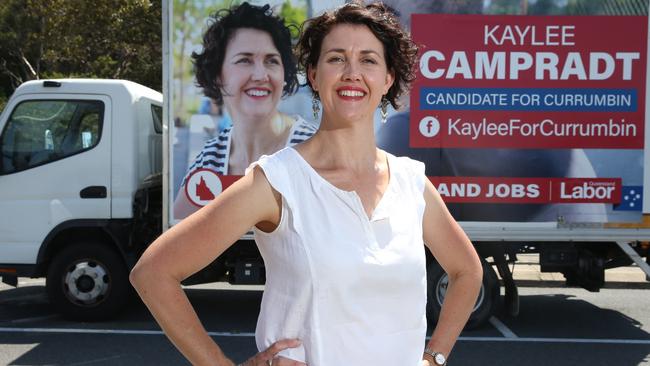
(269, 356)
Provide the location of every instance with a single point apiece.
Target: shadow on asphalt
(543, 316)
(567, 317)
(226, 311)
(23, 302)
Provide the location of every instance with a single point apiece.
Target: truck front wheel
(486, 303)
(88, 282)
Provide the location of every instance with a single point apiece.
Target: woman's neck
(345, 146)
(253, 137)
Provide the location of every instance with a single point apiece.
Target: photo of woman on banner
(246, 65)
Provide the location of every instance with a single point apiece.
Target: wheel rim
(87, 283)
(441, 291)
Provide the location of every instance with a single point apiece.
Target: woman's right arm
(191, 245)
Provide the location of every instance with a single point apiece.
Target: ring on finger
(270, 362)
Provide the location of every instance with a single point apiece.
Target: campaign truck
(531, 128)
(80, 188)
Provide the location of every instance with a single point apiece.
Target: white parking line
(33, 319)
(249, 334)
(502, 328)
(97, 360)
(24, 298)
(111, 331)
(557, 340)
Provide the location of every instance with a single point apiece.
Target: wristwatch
(438, 358)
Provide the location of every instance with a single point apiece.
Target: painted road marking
(249, 334)
(502, 328)
(111, 331)
(556, 340)
(97, 360)
(34, 319)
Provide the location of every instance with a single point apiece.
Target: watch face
(440, 359)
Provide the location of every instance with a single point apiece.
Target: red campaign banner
(528, 190)
(228, 180)
(487, 81)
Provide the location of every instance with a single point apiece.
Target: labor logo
(202, 187)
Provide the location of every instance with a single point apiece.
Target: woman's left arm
(454, 252)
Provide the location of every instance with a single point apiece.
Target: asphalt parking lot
(556, 326)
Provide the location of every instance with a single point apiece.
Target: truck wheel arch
(113, 233)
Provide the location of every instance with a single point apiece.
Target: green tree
(568, 7)
(293, 16)
(544, 7)
(506, 6)
(607, 7)
(21, 48)
(67, 38)
(118, 39)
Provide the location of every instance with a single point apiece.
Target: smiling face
(351, 75)
(252, 75)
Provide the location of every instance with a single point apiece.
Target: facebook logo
(631, 199)
(429, 126)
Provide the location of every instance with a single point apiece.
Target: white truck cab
(74, 153)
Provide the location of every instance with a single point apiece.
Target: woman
(247, 65)
(340, 224)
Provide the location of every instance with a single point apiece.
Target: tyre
(486, 303)
(88, 282)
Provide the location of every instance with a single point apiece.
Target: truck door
(54, 167)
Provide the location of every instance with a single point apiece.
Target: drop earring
(315, 106)
(384, 107)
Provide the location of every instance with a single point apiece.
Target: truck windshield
(42, 131)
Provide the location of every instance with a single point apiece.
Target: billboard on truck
(519, 119)
(544, 114)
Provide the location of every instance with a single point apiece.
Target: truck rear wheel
(486, 303)
(88, 281)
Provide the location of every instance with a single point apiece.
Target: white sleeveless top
(353, 290)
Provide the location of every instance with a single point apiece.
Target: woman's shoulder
(277, 168)
(409, 173)
(407, 164)
(280, 159)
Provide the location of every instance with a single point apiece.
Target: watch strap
(435, 356)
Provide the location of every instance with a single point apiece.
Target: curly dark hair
(222, 26)
(400, 51)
